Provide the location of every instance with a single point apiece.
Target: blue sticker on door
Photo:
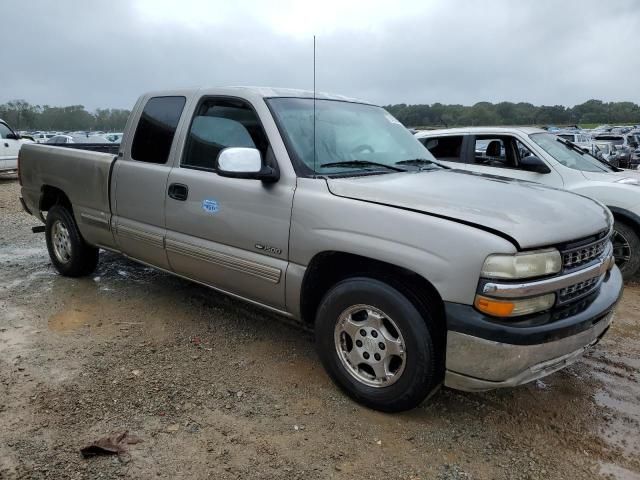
(210, 206)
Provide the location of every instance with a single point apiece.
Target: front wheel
(626, 249)
(69, 253)
(376, 345)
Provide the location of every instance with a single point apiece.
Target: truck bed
(111, 148)
(84, 178)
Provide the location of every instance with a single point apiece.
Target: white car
(580, 139)
(10, 143)
(41, 137)
(604, 150)
(62, 139)
(535, 155)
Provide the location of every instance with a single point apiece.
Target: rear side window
(444, 148)
(156, 129)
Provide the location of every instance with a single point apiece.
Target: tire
(415, 372)
(626, 248)
(70, 254)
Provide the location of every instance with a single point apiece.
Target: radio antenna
(314, 106)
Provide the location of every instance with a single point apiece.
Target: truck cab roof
(252, 92)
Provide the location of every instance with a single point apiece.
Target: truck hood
(529, 214)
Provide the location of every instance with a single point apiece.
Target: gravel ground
(218, 389)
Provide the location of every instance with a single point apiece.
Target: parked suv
(538, 156)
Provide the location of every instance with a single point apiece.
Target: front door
(500, 155)
(229, 233)
(141, 182)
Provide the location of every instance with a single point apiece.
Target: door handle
(178, 191)
(6, 144)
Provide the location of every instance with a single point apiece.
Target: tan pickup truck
(327, 210)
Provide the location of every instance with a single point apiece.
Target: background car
(61, 139)
(114, 137)
(41, 137)
(579, 138)
(10, 143)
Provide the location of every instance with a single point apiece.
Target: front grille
(574, 308)
(582, 255)
(577, 290)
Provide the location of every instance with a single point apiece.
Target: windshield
(349, 137)
(566, 155)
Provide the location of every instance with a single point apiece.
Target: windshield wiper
(418, 162)
(572, 146)
(362, 163)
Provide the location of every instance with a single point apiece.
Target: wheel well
(53, 196)
(328, 268)
(626, 217)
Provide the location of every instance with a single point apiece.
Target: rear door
(229, 233)
(450, 150)
(140, 177)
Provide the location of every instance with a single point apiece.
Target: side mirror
(532, 163)
(240, 162)
(12, 136)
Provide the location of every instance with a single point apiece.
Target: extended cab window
(156, 129)
(447, 149)
(219, 124)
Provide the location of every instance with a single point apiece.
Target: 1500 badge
(268, 249)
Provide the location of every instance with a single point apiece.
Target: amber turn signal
(496, 308)
(516, 307)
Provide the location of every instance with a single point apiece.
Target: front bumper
(483, 354)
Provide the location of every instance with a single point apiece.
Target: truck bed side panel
(84, 178)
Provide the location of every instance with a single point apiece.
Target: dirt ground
(218, 389)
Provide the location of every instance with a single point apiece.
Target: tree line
(508, 113)
(21, 115)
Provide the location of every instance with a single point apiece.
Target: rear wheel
(69, 253)
(376, 345)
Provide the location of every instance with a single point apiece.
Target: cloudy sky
(105, 53)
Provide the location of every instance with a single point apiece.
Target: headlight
(513, 308)
(522, 265)
(628, 181)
